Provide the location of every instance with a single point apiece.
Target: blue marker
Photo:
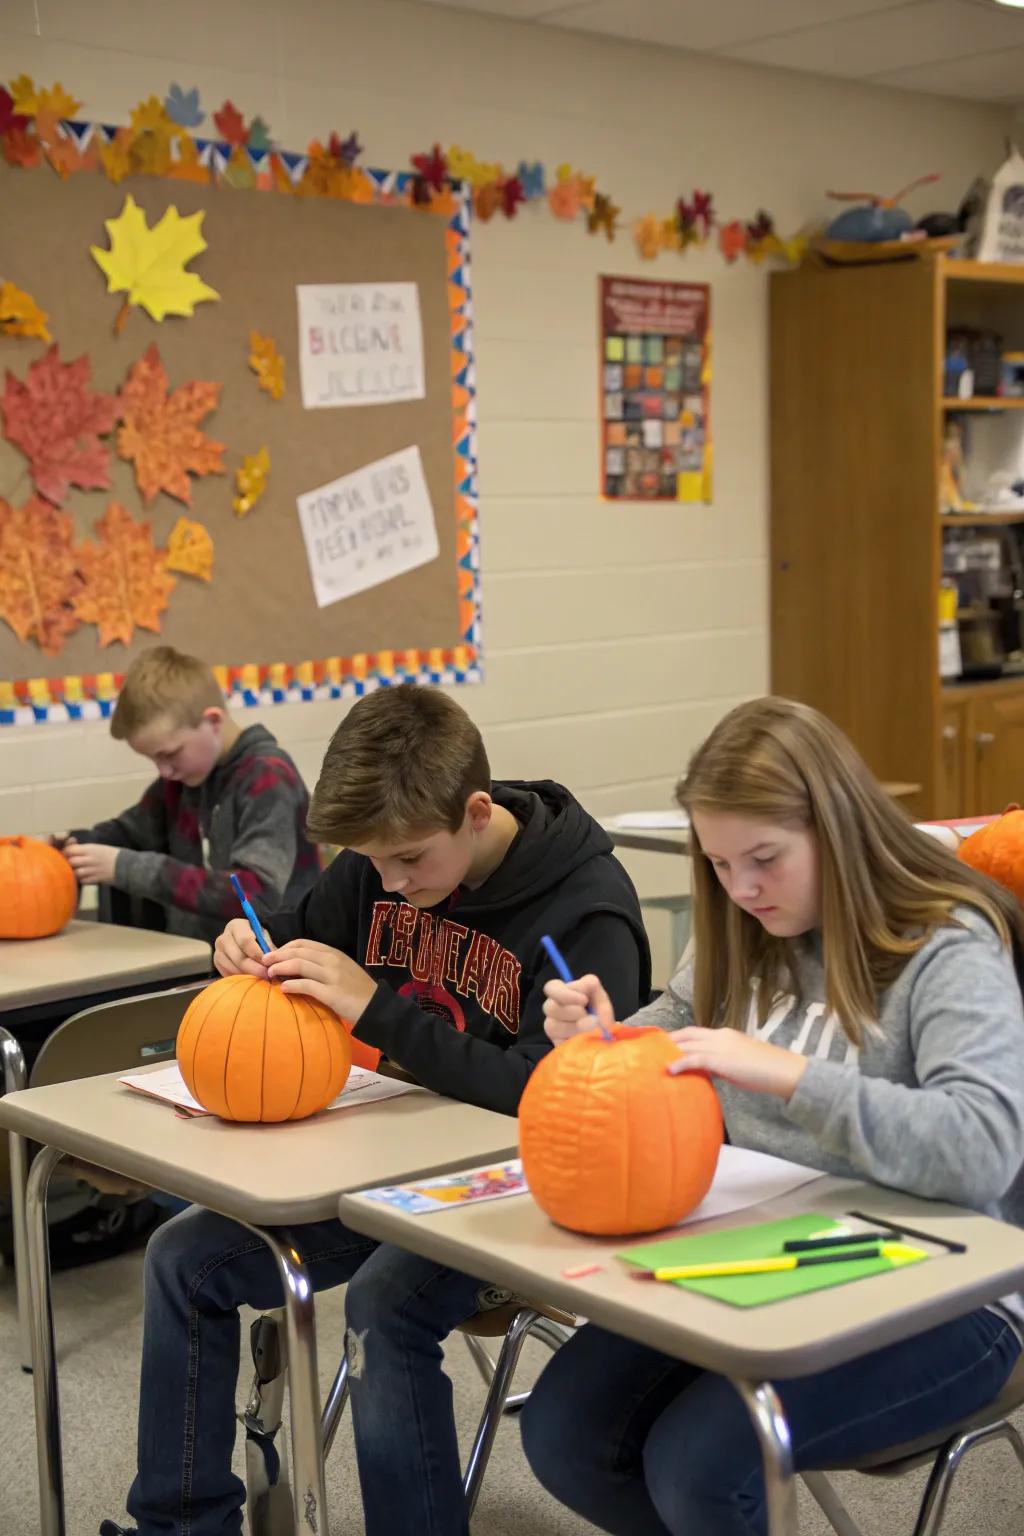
(254, 922)
(564, 973)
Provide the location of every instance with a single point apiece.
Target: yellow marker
(896, 1253)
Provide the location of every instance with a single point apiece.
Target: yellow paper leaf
(20, 315)
(58, 101)
(24, 100)
(190, 549)
(151, 114)
(251, 481)
(116, 157)
(149, 264)
(267, 364)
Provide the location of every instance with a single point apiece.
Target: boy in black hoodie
(425, 933)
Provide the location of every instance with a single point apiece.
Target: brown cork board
(259, 607)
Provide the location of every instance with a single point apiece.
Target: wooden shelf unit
(857, 417)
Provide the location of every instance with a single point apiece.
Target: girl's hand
(236, 952)
(571, 1010)
(736, 1058)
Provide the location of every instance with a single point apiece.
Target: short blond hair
(403, 762)
(164, 682)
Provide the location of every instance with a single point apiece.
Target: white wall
(615, 636)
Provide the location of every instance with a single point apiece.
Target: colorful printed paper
(360, 344)
(57, 420)
(160, 434)
(368, 527)
(656, 384)
(149, 264)
(472, 1186)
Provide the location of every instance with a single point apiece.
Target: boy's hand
(236, 952)
(737, 1058)
(324, 973)
(571, 1010)
(61, 841)
(93, 863)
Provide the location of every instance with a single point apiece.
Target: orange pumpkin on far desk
(611, 1144)
(248, 1051)
(38, 889)
(997, 850)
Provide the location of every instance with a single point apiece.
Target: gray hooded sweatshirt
(933, 1101)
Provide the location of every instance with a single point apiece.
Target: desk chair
(268, 1498)
(110, 1037)
(944, 1452)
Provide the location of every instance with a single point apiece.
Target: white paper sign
(368, 526)
(360, 344)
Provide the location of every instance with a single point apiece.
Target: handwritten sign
(368, 527)
(359, 344)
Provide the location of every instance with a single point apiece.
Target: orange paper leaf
(21, 148)
(160, 432)
(56, 100)
(57, 422)
(186, 166)
(127, 584)
(267, 364)
(251, 481)
(39, 578)
(20, 315)
(190, 549)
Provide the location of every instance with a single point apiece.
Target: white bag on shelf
(1002, 231)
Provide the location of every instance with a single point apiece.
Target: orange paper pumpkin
(249, 1051)
(610, 1142)
(38, 889)
(997, 850)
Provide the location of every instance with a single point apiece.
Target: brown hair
(404, 761)
(163, 681)
(884, 885)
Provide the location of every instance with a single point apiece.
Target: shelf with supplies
(980, 519)
(957, 270)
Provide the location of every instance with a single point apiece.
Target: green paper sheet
(761, 1241)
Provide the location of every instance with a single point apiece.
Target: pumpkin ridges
(242, 991)
(190, 1029)
(38, 889)
(302, 1074)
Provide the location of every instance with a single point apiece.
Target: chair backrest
(114, 1037)
(110, 1037)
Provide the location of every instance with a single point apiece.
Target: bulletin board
(218, 566)
(655, 390)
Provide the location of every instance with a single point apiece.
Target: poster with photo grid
(655, 390)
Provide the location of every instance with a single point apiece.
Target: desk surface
(85, 958)
(270, 1175)
(512, 1243)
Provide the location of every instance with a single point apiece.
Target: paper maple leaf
(230, 124)
(160, 432)
(57, 423)
(9, 118)
(126, 582)
(21, 148)
(39, 578)
(266, 362)
(149, 264)
(20, 315)
(190, 549)
(56, 100)
(251, 481)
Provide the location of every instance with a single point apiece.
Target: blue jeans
(640, 1444)
(199, 1269)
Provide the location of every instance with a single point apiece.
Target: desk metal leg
(15, 1077)
(308, 1490)
(773, 1435)
(44, 1365)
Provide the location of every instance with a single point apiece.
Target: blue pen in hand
(564, 974)
(254, 922)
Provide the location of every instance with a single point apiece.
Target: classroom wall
(615, 635)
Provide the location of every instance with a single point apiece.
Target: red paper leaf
(433, 167)
(231, 124)
(512, 195)
(160, 432)
(39, 579)
(22, 148)
(127, 583)
(57, 423)
(8, 117)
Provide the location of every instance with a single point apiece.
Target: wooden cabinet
(857, 427)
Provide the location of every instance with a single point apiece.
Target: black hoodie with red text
(459, 1001)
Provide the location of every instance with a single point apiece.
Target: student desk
(512, 1243)
(261, 1176)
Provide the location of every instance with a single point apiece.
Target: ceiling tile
(698, 24)
(904, 37)
(984, 77)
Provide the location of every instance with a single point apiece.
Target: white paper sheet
(359, 344)
(368, 527)
(650, 821)
(749, 1178)
(362, 1087)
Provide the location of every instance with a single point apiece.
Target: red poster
(655, 390)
